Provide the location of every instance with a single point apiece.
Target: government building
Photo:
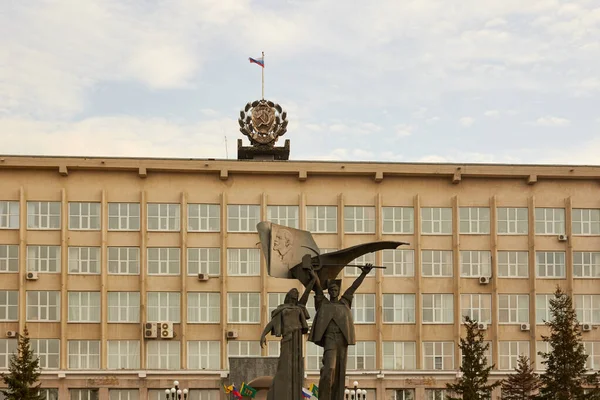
(131, 273)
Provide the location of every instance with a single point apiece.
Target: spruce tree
(473, 382)
(24, 372)
(523, 384)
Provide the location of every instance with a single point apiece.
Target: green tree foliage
(24, 372)
(523, 384)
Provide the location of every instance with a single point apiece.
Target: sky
(494, 81)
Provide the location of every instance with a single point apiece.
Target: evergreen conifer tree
(24, 372)
(523, 384)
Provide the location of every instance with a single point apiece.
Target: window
(361, 356)
(163, 217)
(475, 263)
(84, 307)
(43, 258)
(283, 215)
(438, 355)
(273, 348)
(401, 394)
(84, 216)
(550, 264)
(438, 308)
(123, 216)
(9, 258)
(398, 262)
(314, 356)
(9, 215)
(163, 261)
(243, 262)
(359, 219)
(123, 354)
(204, 307)
(436, 221)
(83, 394)
(549, 221)
(163, 307)
(587, 307)
(43, 306)
(124, 307)
(156, 394)
(8, 347)
(399, 355)
(513, 264)
(243, 308)
(47, 351)
(363, 308)
(586, 221)
(592, 349)
(513, 221)
(9, 305)
(398, 220)
(436, 263)
(203, 394)
(435, 394)
(84, 260)
(368, 258)
(124, 260)
(542, 308)
(586, 264)
(399, 308)
(204, 355)
(243, 348)
(123, 394)
(204, 217)
(49, 394)
(321, 219)
(43, 215)
(84, 354)
(274, 300)
(509, 352)
(242, 217)
(474, 220)
(204, 261)
(513, 308)
(487, 353)
(541, 347)
(163, 354)
(478, 307)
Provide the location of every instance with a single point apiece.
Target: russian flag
(306, 393)
(260, 61)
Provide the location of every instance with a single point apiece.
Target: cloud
(492, 113)
(466, 121)
(403, 130)
(550, 121)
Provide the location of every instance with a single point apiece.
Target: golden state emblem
(263, 122)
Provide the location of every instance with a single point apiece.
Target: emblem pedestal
(263, 152)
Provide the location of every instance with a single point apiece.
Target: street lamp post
(175, 393)
(355, 393)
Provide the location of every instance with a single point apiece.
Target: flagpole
(263, 76)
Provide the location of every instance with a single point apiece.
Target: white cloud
(492, 113)
(466, 121)
(403, 130)
(550, 121)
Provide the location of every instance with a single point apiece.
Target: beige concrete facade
(301, 184)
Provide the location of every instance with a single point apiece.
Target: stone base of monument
(258, 372)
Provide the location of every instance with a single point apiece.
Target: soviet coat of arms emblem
(263, 121)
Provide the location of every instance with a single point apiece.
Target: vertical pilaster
(22, 258)
(183, 269)
(64, 300)
(223, 238)
(264, 301)
(569, 249)
(418, 281)
(378, 289)
(456, 275)
(143, 273)
(494, 268)
(302, 211)
(103, 280)
(532, 279)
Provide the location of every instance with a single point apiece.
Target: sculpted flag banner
(248, 391)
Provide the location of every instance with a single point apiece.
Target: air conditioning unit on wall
(482, 326)
(586, 327)
(203, 277)
(562, 238)
(484, 280)
(32, 276)
(232, 334)
(525, 327)
(11, 334)
(151, 330)
(166, 330)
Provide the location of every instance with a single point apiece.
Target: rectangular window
(361, 356)
(549, 221)
(283, 215)
(84, 354)
(368, 258)
(474, 264)
(124, 307)
(542, 308)
(399, 308)
(363, 308)
(84, 307)
(541, 347)
(49, 394)
(478, 307)
(123, 354)
(84, 216)
(43, 215)
(436, 263)
(83, 394)
(204, 307)
(586, 264)
(43, 258)
(204, 354)
(243, 308)
(398, 220)
(123, 394)
(592, 349)
(163, 354)
(513, 264)
(124, 260)
(509, 352)
(438, 355)
(550, 264)
(204, 261)
(400, 394)
(43, 306)
(398, 262)
(435, 394)
(84, 260)
(204, 217)
(587, 307)
(359, 219)
(274, 348)
(474, 220)
(123, 216)
(8, 347)
(243, 262)
(314, 356)
(513, 221)
(9, 215)
(242, 217)
(438, 308)
(164, 261)
(164, 307)
(274, 300)
(586, 221)
(399, 355)
(243, 348)
(9, 258)
(163, 217)
(513, 308)
(321, 219)
(203, 394)
(436, 221)
(9, 305)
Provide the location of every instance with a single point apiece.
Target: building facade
(93, 249)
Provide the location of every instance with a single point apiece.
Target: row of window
(319, 219)
(125, 394)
